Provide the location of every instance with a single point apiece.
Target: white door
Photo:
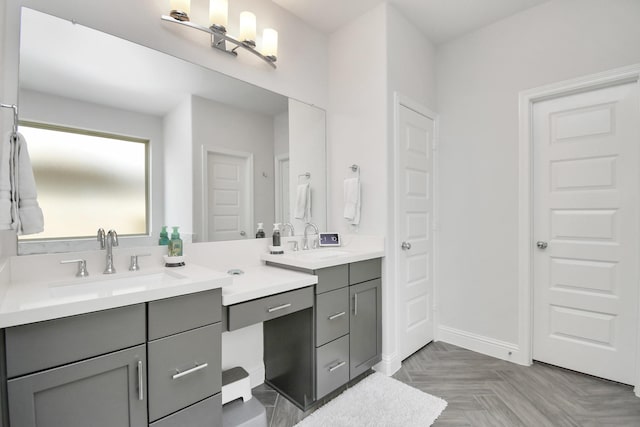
(414, 180)
(586, 211)
(227, 197)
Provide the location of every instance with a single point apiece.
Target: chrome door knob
(405, 246)
(542, 245)
(242, 233)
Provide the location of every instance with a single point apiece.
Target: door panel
(586, 185)
(415, 215)
(227, 186)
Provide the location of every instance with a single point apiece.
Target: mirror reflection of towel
(303, 203)
(18, 197)
(352, 200)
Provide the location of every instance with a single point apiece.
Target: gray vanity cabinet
(365, 332)
(107, 390)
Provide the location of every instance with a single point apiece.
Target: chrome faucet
(290, 227)
(110, 241)
(305, 239)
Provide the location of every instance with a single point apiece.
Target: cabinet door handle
(337, 366)
(355, 304)
(335, 316)
(280, 307)
(189, 371)
(140, 380)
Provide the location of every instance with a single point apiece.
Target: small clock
(329, 239)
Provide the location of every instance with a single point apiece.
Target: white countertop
(261, 280)
(44, 300)
(314, 259)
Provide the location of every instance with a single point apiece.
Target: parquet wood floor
(484, 391)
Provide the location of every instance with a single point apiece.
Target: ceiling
(439, 20)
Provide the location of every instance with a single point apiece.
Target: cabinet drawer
(44, 345)
(207, 413)
(332, 315)
(362, 271)
(263, 309)
(100, 392)
(178, 314)
(332, 366)
(183, 369)
(331, 278)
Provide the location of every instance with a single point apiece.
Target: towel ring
(304, 175)
(355, 168)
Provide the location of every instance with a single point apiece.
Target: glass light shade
(181, 5)
(270, 42)
(219, 12)
(247, 26)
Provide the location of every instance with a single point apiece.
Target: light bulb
(270, 42)
(248, 27)
(180, 9)
(219, 13)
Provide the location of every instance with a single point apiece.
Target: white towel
(303, 203)
(18, 189)
(352, 200)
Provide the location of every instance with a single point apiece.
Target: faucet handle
(134, 266)
(82, 266)
(101, 237)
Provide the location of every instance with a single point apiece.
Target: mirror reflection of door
(228, 188)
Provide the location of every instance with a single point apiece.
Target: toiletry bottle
(164, 236)
(260, 232)
(276, 234)
(175, 244)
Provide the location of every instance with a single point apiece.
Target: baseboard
(636, 389)
(256, 375)
(389, 365)
(481, 344)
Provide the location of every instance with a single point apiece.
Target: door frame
(279, 160)
(248, 157)
(393, 247)
(527, 99)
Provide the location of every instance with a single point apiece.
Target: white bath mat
(378, 400)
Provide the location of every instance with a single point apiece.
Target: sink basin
(115, 285)
(322, 254)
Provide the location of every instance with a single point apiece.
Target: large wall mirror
(219, 155)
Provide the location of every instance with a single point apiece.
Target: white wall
(178, 177)
(302, 53)
(479, 78)
(218, 125)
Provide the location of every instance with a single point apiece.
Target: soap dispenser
(175, 244)
(164, 236)
(260, 231)
(276, 234)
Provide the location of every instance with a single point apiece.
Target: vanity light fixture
(218, 19)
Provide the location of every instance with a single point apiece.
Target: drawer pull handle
(280, 307)
(189, 371)
(337, 366)
(335, 316)
(355, 304)
(140, 380)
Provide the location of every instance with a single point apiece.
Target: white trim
(279, 159)
(525, 203)
(206, 150)
(480, 344)
(389, 365)
(402, 100)
(257, 375)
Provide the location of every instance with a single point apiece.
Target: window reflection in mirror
(87, 180)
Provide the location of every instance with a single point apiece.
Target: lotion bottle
(175, 244)
(276, 234)
(260, 231)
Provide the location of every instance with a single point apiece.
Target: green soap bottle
(164, 237)
(175, 244)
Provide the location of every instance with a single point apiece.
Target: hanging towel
(24, 210)
(303, 203)
(352, 200)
